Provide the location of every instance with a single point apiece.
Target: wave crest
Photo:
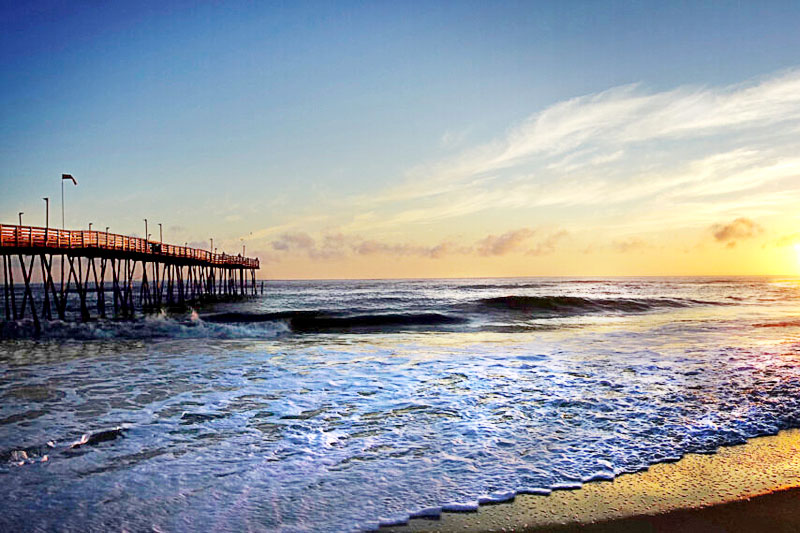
(159, 326)
(322, 321)
(571, 305)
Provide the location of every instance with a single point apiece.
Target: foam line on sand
(751, 487)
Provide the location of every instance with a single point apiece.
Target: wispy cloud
(454, 138)
(621, 145)
(628, 115)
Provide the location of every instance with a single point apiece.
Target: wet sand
(752, 487)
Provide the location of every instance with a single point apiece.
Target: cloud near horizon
(505, 243)
(332, 246)
(738, 229)
(549, 244)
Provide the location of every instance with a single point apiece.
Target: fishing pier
(105, 275)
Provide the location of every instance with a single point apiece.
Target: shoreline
(747, 487)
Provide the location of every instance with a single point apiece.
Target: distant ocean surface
(343, 405)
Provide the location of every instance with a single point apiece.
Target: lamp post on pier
(46, 217)
(160, 234)
(20, 217)
(145, 229)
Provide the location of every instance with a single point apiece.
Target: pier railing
(53, 239)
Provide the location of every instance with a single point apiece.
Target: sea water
(344, 405)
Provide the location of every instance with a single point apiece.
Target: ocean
(346, 405)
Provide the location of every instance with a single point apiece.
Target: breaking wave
(321, 321)
(160, 326)
(572, 305)
(501, 313)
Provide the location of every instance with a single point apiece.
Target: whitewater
(347, 405)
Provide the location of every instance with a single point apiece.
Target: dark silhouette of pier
(115, 274)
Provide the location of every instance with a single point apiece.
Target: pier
(108, 275)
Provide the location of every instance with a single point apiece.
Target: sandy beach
(751, 487)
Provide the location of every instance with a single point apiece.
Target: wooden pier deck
(162, 274)
(27, 239)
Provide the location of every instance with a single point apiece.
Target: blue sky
(286, 119)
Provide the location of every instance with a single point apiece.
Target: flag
(69, 177)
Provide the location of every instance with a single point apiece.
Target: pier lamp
(90, 226)
(145, 229)
(160, 233)
(46, 216)
(20, 217)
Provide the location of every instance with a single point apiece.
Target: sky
(415, 139)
